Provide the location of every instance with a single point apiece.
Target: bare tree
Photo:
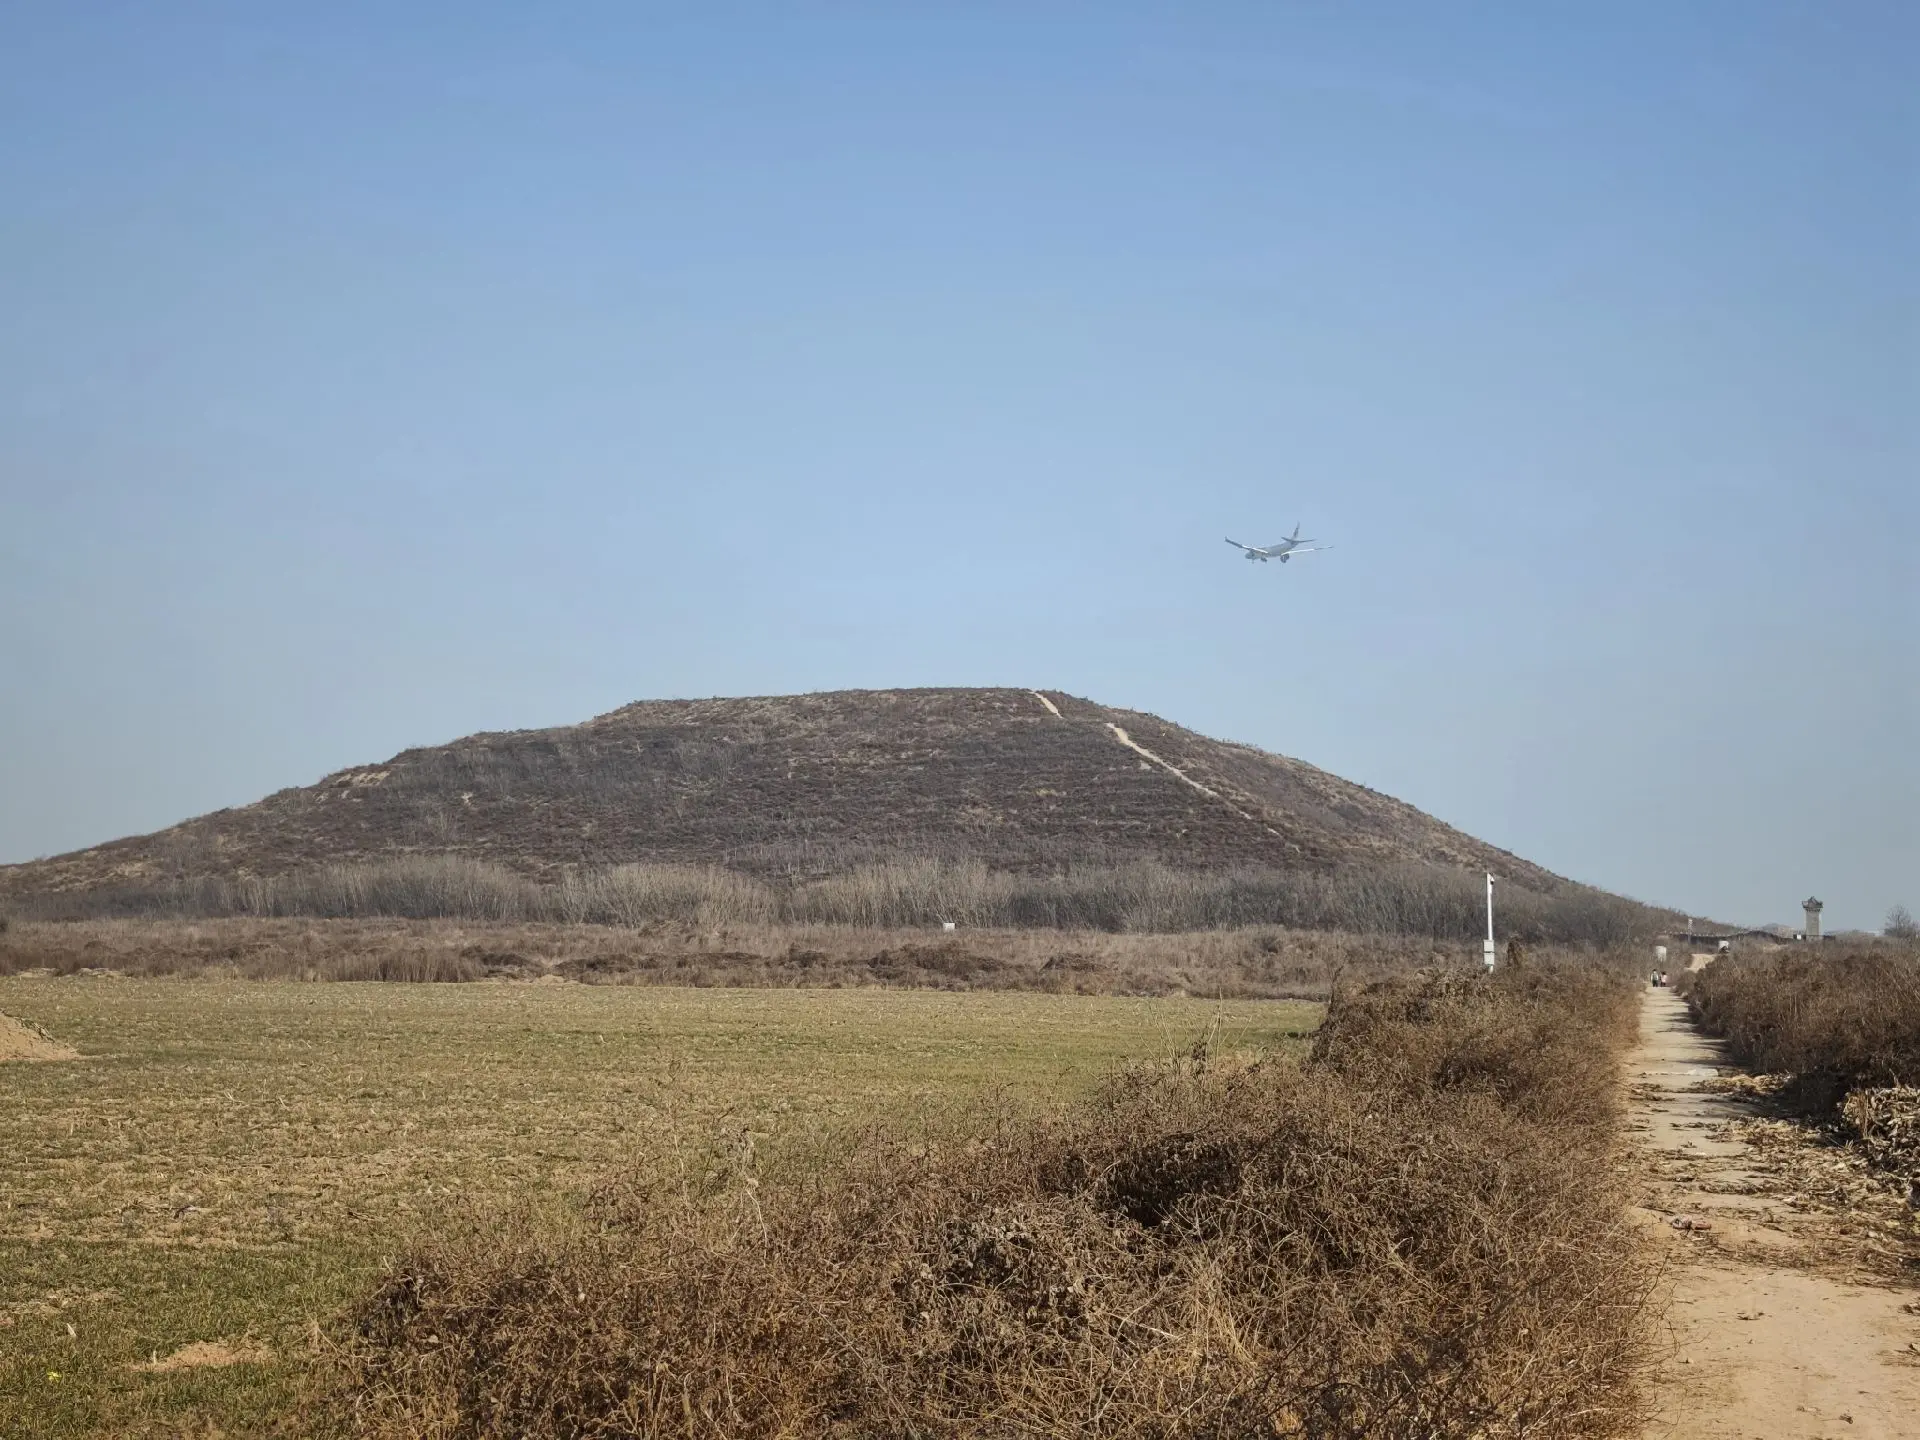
(1901, 925)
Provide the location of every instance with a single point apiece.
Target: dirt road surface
(1770, 1337)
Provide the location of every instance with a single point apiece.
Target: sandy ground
(23, 1042)
(1771, 1336)
(204, 1353)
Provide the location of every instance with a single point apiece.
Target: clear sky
(375, 374)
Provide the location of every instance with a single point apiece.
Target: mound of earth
(20, 1041)
(809, 785)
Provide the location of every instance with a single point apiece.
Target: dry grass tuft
(1372, 1245)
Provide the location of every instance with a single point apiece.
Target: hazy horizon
(371, 379)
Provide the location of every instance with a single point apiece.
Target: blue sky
(371, 375)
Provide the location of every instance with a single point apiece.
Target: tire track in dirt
(1761, 1345)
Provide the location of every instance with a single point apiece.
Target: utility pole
(1486, 952)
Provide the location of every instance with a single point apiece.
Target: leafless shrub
(1528, 1038)
(1846, 1016)
(907, 892)
(1209, 1247)
(644, 894)
(412, 887)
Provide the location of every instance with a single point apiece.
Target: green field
(229, 1161)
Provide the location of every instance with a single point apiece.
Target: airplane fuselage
(1281, 550)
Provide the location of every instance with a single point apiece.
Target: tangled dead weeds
(1836, 1135)
(1416, 1234)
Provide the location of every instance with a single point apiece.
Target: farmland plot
(229, 1162)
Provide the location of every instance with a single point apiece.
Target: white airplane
(1281, 550)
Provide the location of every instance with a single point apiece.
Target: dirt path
(1172, 769)
(1185, 779)
(1764, 1344)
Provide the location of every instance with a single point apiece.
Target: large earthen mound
(809, 785)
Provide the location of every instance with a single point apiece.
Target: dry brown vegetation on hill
(861, 807)
(1417, 1234)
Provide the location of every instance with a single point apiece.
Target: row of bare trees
(1139, 897)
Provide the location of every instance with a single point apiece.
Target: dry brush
(1416, 1234)
(1255, 962)
(1845, 1014)
(1843, 1020)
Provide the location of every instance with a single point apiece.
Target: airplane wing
(1307, 549)
(1242, 545)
